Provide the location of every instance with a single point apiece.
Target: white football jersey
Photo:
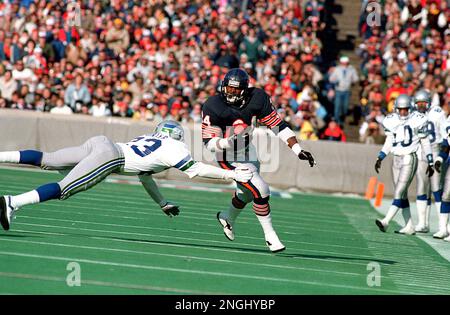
(154, 153)
(436, 125)
(446, 130)
(405, 133)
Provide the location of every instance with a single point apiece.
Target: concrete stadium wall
(341, 167)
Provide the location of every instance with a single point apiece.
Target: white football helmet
(403, 101)
(422, 96)
(171, 128)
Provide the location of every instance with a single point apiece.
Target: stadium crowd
(155, 60)
(407, 49)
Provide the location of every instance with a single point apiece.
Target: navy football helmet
(234, 86)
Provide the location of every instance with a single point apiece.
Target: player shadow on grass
(18, 235)
(298, 255)
(265, 251)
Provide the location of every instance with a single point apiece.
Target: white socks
(10, 157)
(28, 198)
(443, 221)
(233, 213)
(390, 214)
(438, 210)
(422, 213)
(266, 223)
(406, 213)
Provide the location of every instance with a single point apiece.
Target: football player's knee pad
(261, 206)
(437, 195)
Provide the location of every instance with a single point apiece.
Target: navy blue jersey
(218, 116)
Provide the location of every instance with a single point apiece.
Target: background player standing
(405, 131)
(235, 106)
(436, 122)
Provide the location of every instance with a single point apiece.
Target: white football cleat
(274, 243)
(422, 229)
(447, 239)
(407, 230)
(6, 212)
(440, 235)
(227, 227)
(381, 225)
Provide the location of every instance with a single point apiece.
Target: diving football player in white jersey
(405, 131)
(425, 185)
(98, 157)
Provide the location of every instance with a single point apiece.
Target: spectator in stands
(306, 131)
(7, 85)
(61, 108)
(77, 92)
(117, 37)
(343, 76)
(334, 132)
(99, 108)
(168, 56)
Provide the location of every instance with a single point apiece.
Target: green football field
(124, 244)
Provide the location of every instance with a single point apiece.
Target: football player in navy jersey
(234, 109)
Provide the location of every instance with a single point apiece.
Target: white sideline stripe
(192, 271)
(180, 230)
(209, 249)
(103, 284)
(181, 256)
(347, 255)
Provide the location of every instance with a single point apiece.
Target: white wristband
(286, 134)
(296, 148)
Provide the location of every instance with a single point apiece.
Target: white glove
(242, 174)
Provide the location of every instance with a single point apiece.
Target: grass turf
(124, 244)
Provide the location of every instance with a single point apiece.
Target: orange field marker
(370, 191)
(379, 196)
